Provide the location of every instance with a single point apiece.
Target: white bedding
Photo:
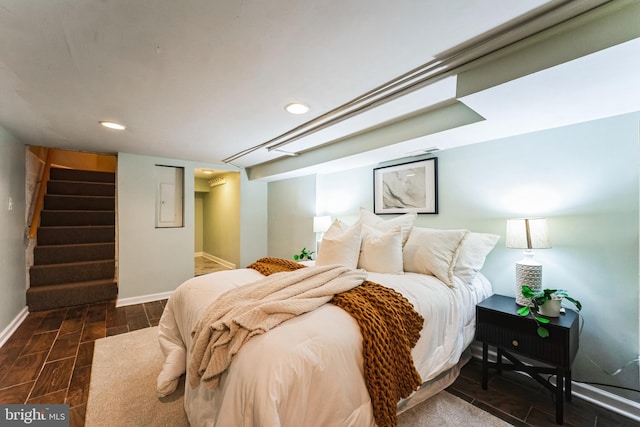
(308, 370)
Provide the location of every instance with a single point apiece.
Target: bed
(309, 370)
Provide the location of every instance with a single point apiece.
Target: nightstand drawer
(544, 349)
(498, 324)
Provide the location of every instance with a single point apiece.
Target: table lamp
(527, 233)
(320, 225)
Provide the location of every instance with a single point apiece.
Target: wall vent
(217, 181)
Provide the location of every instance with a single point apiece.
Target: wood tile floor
(48, 360)
(521, 401)
(204, 265)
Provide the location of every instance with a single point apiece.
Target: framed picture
(408, 187)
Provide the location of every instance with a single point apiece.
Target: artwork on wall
(407, 187)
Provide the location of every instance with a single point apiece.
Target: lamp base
(527, 274)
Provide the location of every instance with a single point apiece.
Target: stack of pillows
(395, 246)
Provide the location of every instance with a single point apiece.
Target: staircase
(74, 258)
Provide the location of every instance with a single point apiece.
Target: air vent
(217, 181)
(428, 150)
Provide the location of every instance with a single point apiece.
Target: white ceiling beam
(611, 24)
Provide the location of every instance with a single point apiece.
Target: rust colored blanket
(390, 328)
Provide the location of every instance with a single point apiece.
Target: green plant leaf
(575, 302)
(542, 332)
(527, 292)
(523, 311)
(542, 319)
(296, 257)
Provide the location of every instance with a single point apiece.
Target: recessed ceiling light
(297, 108)
(112, 125)
(206, 172)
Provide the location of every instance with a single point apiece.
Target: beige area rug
(122, 391)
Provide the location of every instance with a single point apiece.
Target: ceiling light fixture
(112, 125)
(297, 108)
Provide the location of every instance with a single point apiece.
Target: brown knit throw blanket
(390, 328)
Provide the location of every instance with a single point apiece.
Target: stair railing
(42, 189)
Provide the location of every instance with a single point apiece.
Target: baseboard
(609, 401)
(229, 265)
(604, 399)
(13, 325)
(121, 302)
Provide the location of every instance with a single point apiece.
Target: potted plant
(303, 255)
(546, 302)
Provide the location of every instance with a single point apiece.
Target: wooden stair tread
(74, 284)
(72, 264)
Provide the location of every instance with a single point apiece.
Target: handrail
(42, 189)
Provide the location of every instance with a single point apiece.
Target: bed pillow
(336, 229)
(473, 252)
(404, 221)
(434, 252)
(381, 252)
(340, 248)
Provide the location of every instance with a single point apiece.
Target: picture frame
(406, 187)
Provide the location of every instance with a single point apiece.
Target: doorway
(216, 220)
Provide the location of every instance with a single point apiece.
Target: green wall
(221, 219)
(253, 219)
(150, 260)
(198, 224)
(583, 178)
(292, 206)
(12, 229)
(155, 261)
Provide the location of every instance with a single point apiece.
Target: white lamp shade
(528, 233)
(321, 223)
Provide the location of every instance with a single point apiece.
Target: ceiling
(204, 80)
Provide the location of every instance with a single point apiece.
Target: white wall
(12, 228)
(583, 178)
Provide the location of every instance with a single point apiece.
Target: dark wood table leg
(485, 366)
(559, 396)
(499, 363)
(567, 385)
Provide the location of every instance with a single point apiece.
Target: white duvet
(308, 370)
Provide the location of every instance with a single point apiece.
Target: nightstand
(498, 324)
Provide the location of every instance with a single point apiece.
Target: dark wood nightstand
(498, 324)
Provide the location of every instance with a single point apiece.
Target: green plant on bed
(539, 297)
(304, 254)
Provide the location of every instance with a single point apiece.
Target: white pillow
(343, 249)
(473, 252)
(336, 229)
(381, 252)
(404, 221)
(433, 252)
